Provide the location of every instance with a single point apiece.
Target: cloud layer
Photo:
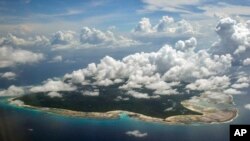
(14, 41)
(160, 72)
(10, 57)
(92, 36)
(154, 70)
(165, 25)
(163, 70)
(167, 64)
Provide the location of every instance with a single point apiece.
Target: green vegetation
(107, 101)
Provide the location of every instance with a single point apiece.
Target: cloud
(63, 38)
(187, 44)
(205, 9)
(202, 69)
(163, 88)
(220, 84)
(136, 133)
(14, 41)
(214, 83)
(52, 86)
(140, 95)
(91, 93)
(94, 37)
(184, 27)
(246, 62)
(234, 37)
(10, 57)
(169, 6)
(87, 38)
(144, 26)
(153, 71)
(66, 12)
(232, 91)
(54, 94)
(12, 91)
(240, 85)
(211, 98)
(58, 58)
(120, 98)
(223, 9)
(165, 25)
(76, 76)
(243, 78)
(247, 106)
(242, 81)
(8, 75)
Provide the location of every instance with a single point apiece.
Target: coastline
(209, 115)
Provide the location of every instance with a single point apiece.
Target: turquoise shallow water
(20, 124)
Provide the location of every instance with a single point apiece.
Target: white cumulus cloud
(247, 106)
(8, 75)
(165, 25)
(144, 26)
(153, 71)
(234, 36)
(54, 94)
(12, 91)
(187, 44)
(213, 83)
(14, 41)
(91, 93)
(140, 95)
(52, 85)
(10, 57)
(94, 37)
(232, 91)
(136, 133)
(63, 37)
(246, 62)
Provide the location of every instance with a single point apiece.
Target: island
(192, 108)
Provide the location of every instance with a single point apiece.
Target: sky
(47, 17)
(142, 43)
